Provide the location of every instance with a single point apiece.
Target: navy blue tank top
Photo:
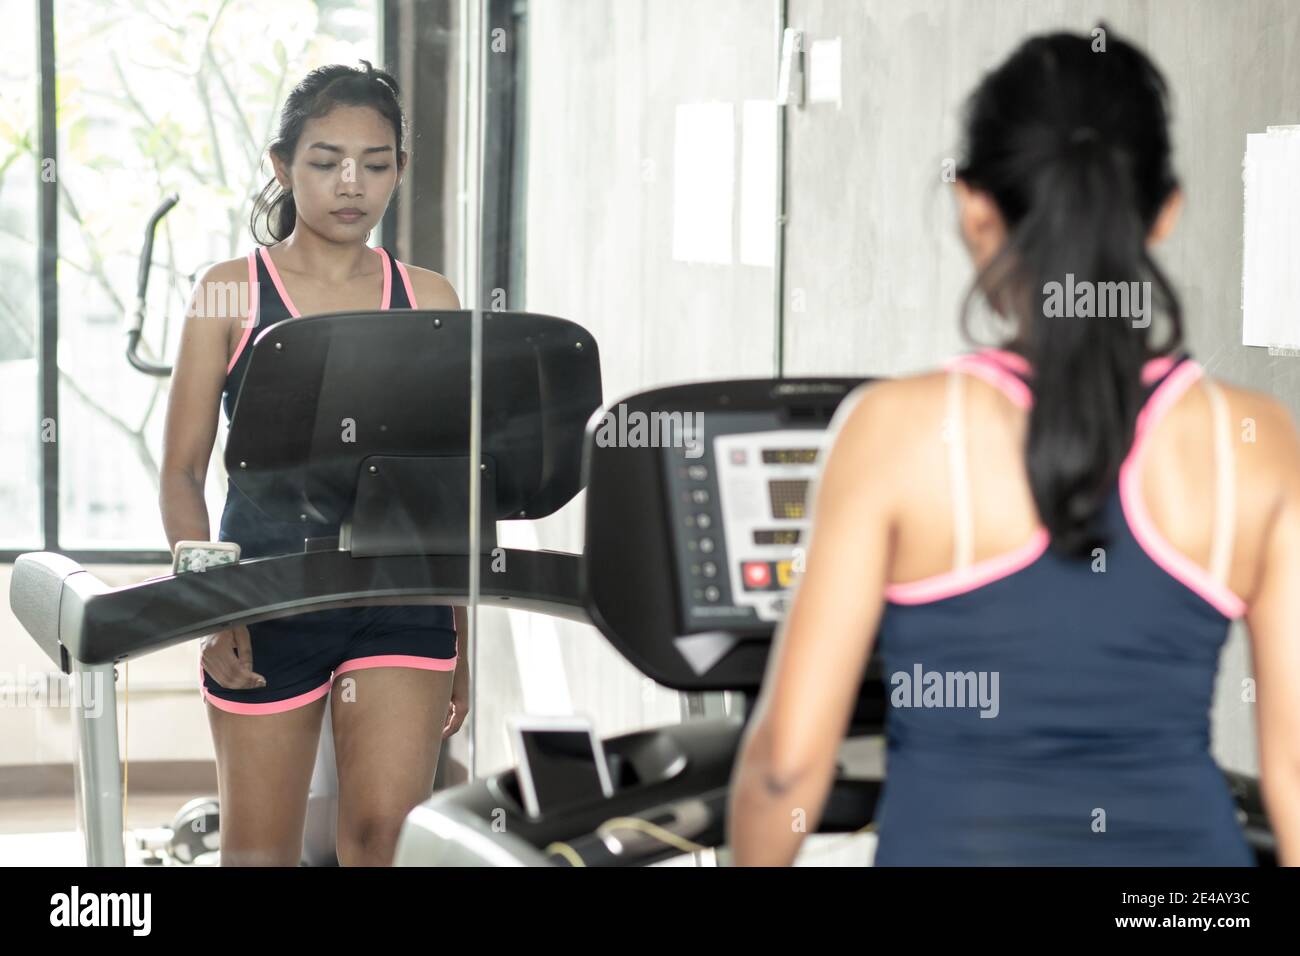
(1048, 710)
(260, 535)
(269, 303)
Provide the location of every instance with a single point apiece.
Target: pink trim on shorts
(397, 660)
(269, 707)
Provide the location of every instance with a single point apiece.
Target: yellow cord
(566, 851)
(626, 823)
(658, 832)
(126, 734)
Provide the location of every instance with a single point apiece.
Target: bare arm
(787, 760)
(193, 412)
(1274, 622)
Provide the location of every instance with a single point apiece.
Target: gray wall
(874, 272)
(604, 82)
(871, 243)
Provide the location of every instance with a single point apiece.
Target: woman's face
(343, 172)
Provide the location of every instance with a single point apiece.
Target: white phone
(202, 555)
(560, 761)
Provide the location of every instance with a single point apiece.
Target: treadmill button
(784, 577)
(711, 593)
(757, 575)
(710, 569)
(706, 545)
(697, 472)
(703, 521)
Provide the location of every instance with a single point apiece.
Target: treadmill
(695, 511)
(396, 496)
(690, 551)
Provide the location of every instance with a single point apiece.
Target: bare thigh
(387, 736)
(264, 768)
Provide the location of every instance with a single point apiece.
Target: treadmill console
(738, 497)
(698, 522)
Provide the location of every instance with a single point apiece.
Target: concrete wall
(874, 270)
(605, 82)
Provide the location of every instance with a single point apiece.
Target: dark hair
(319, 92)
(1072, 143)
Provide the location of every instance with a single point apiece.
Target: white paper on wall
(824, 72)
(1270, 274)
(758, 183)
(704, 181)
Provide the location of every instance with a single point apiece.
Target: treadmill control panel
(739, 499)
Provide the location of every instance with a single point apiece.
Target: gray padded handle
(36, 593)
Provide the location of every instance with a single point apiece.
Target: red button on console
(757, 574)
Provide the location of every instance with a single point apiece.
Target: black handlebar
(142, 287)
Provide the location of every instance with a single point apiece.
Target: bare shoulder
(227, 270)
(222, 294)
(432, 289)
(1256, 405)
(879, 420)
(1267, 440)
(881, 403)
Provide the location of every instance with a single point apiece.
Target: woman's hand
(458, 708)
(228, 659)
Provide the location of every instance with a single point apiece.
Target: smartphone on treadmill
(559, 761)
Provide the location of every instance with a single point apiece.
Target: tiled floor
(42, 831)
(38, 833)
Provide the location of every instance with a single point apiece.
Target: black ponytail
(1072, 143)
(274, 213)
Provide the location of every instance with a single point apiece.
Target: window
(20, 479)
(153, 98)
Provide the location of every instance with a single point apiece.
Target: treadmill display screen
(740, 509)
(789, 498)
(790, 456)
(785, 536)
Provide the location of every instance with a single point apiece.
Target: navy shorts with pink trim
(301, 656)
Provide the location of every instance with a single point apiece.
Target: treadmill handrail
(96, 624)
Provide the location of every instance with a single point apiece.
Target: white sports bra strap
(1225, 487)
(958, 478)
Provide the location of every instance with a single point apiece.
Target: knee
(370, 840)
